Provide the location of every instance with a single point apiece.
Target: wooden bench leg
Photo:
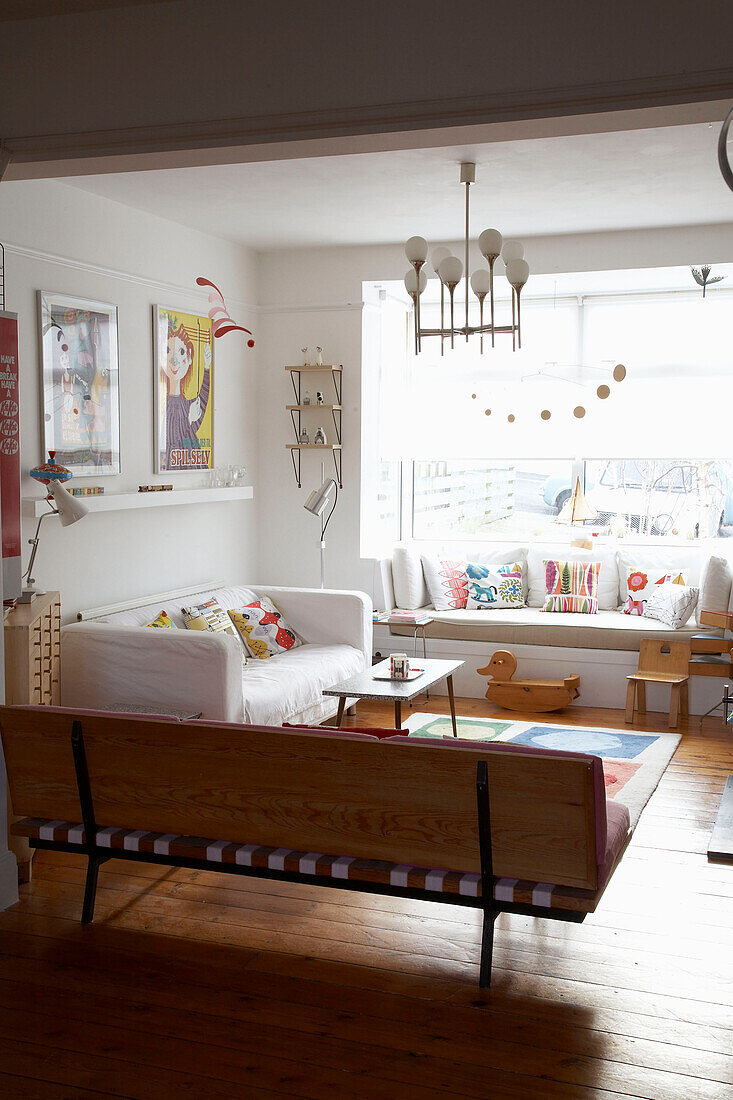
(630, 693)
(487, 948)
(674, 706)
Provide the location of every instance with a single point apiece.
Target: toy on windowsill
(525, 694)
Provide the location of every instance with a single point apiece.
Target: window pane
(491, 499)
(677, 497)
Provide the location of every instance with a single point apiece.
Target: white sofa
(111, 656)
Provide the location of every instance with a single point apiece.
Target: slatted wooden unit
(198, 985)
(258, 786)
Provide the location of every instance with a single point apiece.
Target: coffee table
(366, 686)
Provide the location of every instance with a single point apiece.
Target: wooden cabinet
(32, 673)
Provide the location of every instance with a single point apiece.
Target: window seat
(611, 630)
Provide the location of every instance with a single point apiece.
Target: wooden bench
(498, 827)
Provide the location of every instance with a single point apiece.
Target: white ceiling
(624, 180)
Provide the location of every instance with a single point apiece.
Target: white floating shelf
(118, 502)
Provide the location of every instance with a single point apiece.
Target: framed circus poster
(80, 383)
(184, 390)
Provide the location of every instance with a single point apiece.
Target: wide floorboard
(193, 984)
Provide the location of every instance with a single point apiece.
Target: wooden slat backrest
(313, 791)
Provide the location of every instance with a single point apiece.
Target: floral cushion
(263, 629)
(640, 586)
(571, 586)
(492, 587)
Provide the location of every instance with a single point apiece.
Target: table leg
(340, 711)
(449, 681)
(398, 714)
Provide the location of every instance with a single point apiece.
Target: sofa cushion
(608, 581)
(531, 626)
(671, 604)
(408, 580)
(572, 586)
(715, 586)
(660, 562)
(263, 630)
(291, 683)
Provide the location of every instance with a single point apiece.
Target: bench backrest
(316, 791)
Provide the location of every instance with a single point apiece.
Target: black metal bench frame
(491, 908)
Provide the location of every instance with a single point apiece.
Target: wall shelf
(117, 502)
(296, 411)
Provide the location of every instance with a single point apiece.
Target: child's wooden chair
(661, 663)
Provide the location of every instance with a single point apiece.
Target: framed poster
(10, 456)
(80, 382)
(184, 390)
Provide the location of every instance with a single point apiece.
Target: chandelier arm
(723, 161)
(492, 260)
(514, 325)
(519, 319)
(481, 319)
(442, 317)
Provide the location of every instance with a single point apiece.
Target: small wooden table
(365, 685)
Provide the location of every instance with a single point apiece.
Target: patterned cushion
(208, 616)
(447, 583)
(163, 619)
(407, 876)
(263, 629)
(494, 586)
(640, 584)
(571, 586)
(671, 604)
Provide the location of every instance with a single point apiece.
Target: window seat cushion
(530, 626)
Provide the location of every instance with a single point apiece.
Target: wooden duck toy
(525, 694)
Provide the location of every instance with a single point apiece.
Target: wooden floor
(193, 984)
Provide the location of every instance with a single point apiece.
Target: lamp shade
(451, 270)
(438, 255)
(480, 281)
(512, 250)
(517, 272)
(416, 250)
(319, 499)
(490, 242)
(412, 282)
(70, 508)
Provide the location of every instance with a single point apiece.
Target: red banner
(10, 453)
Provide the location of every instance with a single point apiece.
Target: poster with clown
(184, 390)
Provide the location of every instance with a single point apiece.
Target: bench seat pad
(432, 880)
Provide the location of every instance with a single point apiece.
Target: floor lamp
(317, 504)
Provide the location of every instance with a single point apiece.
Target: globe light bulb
(450, 270)
(411, 281)
(480, 281)
(438, 255)
(416, 250)
(517, 272)
(489, 242)
(512, 250)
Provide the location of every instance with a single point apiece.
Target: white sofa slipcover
(115, 658)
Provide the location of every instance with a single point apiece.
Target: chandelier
(450, 270)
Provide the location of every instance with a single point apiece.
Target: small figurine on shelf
(303, 438)
(304, 353)
(307, 397)
(319, 397)
(319, 356)
(320, 437)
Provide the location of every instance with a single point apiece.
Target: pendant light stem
(465, 270)
(492, 261)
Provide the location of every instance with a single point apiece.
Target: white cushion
(715, 586)
(141, 616)
(283, 687)
(671, 604)
(608, 580)
(410, 590)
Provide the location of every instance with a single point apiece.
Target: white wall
(313, 296)
(61, 239)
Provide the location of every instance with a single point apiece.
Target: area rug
(633, 763)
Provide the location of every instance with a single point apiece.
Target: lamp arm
(333, 509)
(35, 540)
